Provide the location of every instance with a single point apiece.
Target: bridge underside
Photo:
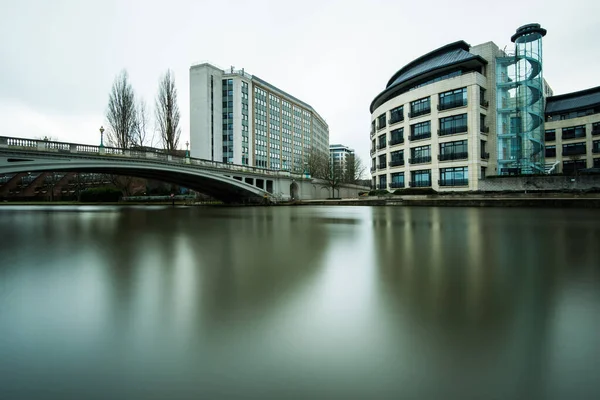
(217, 186)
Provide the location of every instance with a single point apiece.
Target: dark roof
(573, 101)
(445, 57)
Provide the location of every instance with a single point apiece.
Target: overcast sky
(58, 58)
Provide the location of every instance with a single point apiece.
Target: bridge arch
(217, 185)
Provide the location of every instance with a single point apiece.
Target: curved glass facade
(520, 105)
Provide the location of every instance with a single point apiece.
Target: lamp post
(187, 152)
(101, 137)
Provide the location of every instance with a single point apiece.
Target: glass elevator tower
(520, 105)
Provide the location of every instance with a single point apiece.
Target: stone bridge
(227, 182)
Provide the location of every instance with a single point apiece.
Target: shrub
(100, 194)
(413, 191)
(379, 192)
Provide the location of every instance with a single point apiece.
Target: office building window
(419, 155)
(396, 136)
(382, 181)
(397, 180)
(458, 176)
(453, 151)
(397, 158)
(381, 141)
(573, 132)
(573, 149)
(421, 130)
(572, 166)
(452, 125)
(397, 115)
(550, 135)
(381, 121)
(421, 178)
(550, 151)
(452, 99)
(420, 107)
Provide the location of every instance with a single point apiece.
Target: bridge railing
(157, 155)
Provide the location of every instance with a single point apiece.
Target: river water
(299, 302)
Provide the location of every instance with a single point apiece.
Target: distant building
(341, 156)
(239, 118)
(572, 131)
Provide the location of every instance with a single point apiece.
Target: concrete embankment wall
(540, 183)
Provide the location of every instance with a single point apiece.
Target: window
(572, 166)
(373, 146)
(397, 115)
(381, 121)
(482, 101)
(381, 141)
(382, 181)
(596, 162)
(596, 146)
(397, 180)
(396, 136)
(484, 154)
(421, 130)
(421, 178)
(382, 161)
(452, 99)
(573, 149)
(550, 135)
(372, 127)
(453, 151)
(452, 125)
(596, 128)
(420, 155)
(396, 158)
(482, 173)
(458, 176)
(550, 151)
(482, 127)
(573, 132)
(420, 107)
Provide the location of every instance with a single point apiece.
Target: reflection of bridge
(227, 182)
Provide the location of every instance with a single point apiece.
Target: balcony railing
(380, 127)
(372, 151)
(419, 160)
(446, 105)
(381, 145)
(453, 130)
(420, 136)
(396, 163)
(485, 129)
(396, 185)
(453, 156)
(373, 169)
(485, 155)
(417, 113)
(484, 103)
(420, 183)
(394, 142)
(453, 182)
(381, 165)
(573, 151)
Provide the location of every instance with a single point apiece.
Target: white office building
(341, 156)
(239, 118)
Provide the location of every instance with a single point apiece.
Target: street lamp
(187, 153)
(101, 137)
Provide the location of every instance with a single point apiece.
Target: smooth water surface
(299, 302)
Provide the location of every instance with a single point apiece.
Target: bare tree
(121, 113)
(167, 112)
(355, 169)
(321, 166)
(141, 136)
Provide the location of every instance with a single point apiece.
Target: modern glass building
(239, 118)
